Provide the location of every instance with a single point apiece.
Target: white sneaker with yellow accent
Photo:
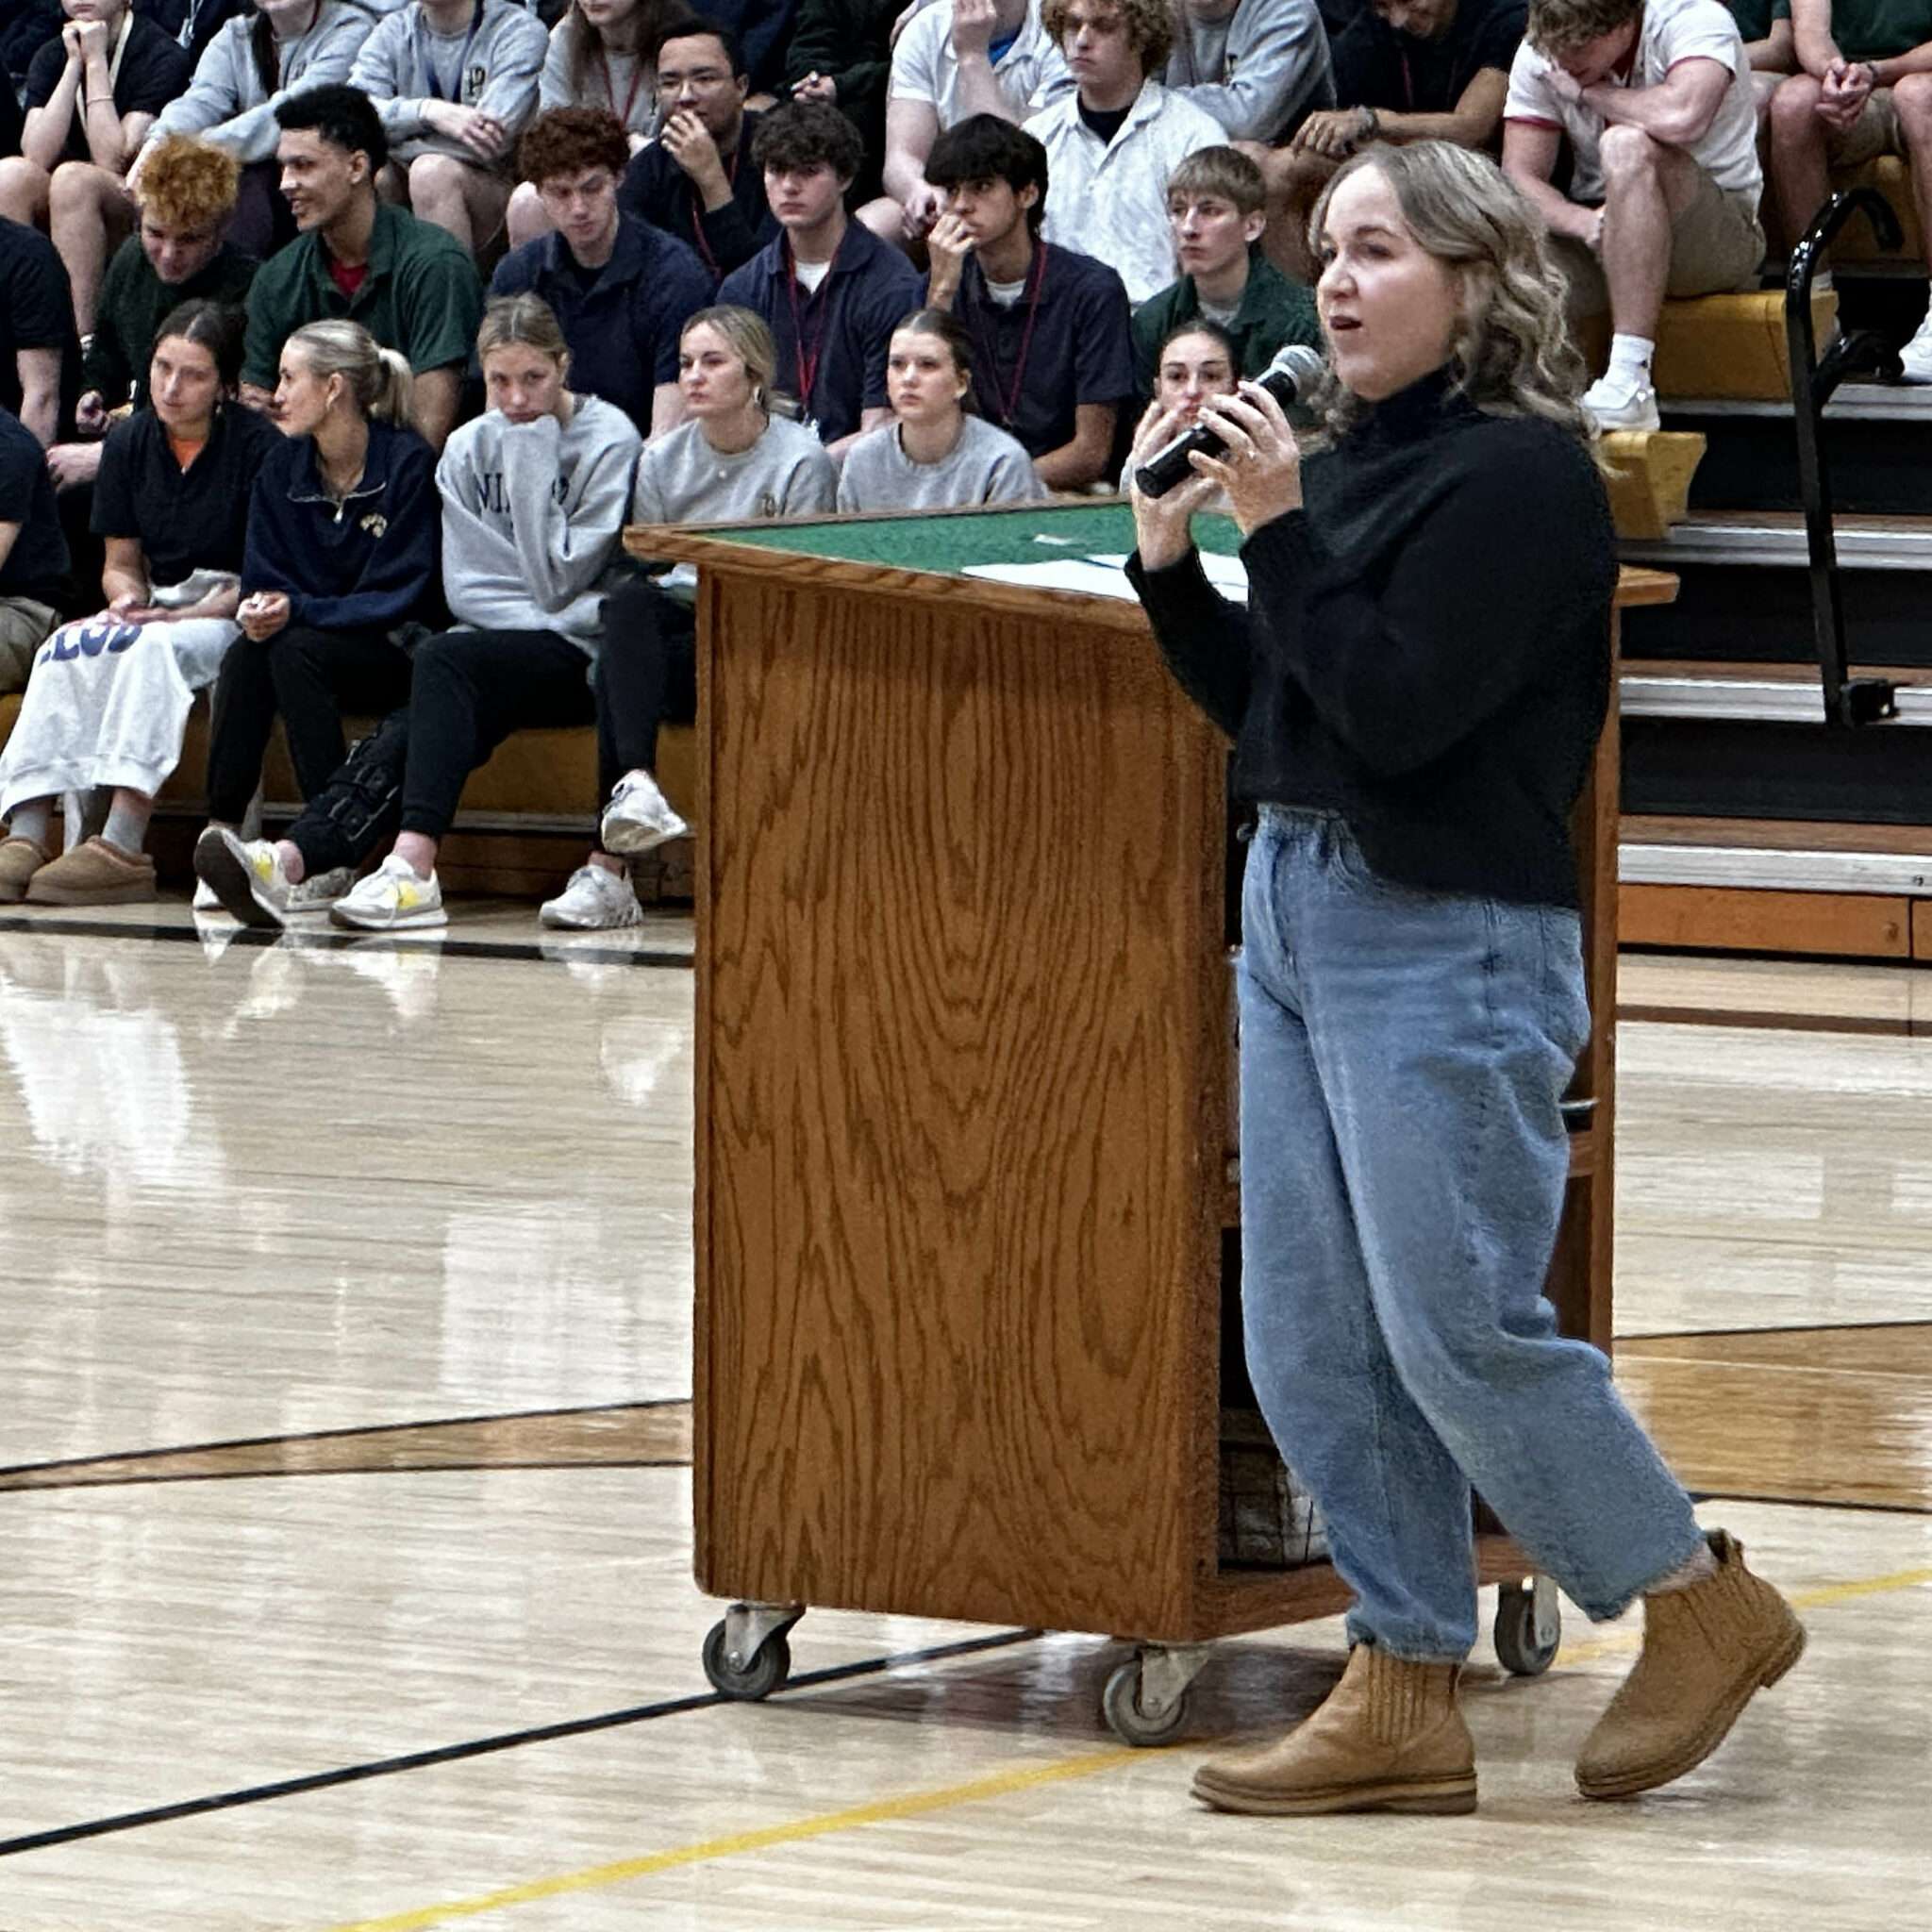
(245, 875)
(391, 899)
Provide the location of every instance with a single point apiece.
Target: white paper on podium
(1104, 575)
(1226, 573)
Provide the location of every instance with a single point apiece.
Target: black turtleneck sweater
(1427, 647)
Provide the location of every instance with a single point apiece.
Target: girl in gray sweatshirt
(533, 497)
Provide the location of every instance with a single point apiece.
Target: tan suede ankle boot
(1389, 1738)
(1707, 1649)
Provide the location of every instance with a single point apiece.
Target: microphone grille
(1301, 364)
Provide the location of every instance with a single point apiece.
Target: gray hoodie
(986, 465)
(533, 520)
(1261, 72)
(226, 104)
(492, 62)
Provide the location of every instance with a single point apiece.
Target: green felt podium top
(1033, 533)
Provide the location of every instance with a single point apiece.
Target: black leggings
(646, 677)
(310, 677)
(471, 690)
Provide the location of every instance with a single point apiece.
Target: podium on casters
(964, 1148)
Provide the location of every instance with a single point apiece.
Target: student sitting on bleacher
(109, 697)
(33, 552)
(1195, 360)
(39, 353)
(697, 180)
(621, 290)
(252, 63)
(1259, 66)
(841, 53)
(1113, 143)
(358, 260)
(535, 493)
(1217, 210)
(91, 95)
(598, 58)
(1404, 70)
(1052, 362)
(1864, 89)
(179, 251)
(934, 455)
(456, 83)
(339, 578)
(953, 58)
(731, 460)
(828, 289)
(1656, 99)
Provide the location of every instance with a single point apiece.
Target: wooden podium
(962, 1101)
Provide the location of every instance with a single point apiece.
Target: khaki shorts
(1716, 246)
(24, 626)
(1877, 131)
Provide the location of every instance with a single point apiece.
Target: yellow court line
(1000, 1785)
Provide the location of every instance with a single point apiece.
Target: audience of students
(1216, 207)
(410, 283)
(183, 197)
(91, 95)
(1661, 121)
(827, 288)
(253, 63)
(1052, 357)
(33, 553)
(953, 58)
(455, 82)
(338, 579)
(620, 289)
(934, 455)
(697, 180)
(108, 699)
(1113, 142)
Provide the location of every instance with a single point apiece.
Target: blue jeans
(1403, 1167)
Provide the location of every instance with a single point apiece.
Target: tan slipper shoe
(20, 859)
(95, 874)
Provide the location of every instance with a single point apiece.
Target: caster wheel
(1120, 1704)
(770, 1665)
(1520, 1649)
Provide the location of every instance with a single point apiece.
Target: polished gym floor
(345, 1557)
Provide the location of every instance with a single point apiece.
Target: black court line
(285, 1475)
(440, 1421)
(480, 1748)
(1814, 1502)
(259, 937)
(1771, 1020)
(1770, 1329)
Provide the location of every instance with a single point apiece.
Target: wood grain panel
(961, 1095)
(1714, 918)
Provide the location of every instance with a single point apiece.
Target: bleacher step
(1775, 540)
(1763, 694)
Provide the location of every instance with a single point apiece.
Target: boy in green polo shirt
(1860, 93)
(407, 281)
(1217, 209)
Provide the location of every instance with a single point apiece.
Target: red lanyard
(808, 366)
(1009, 398)
(697, 214)
(630, 99)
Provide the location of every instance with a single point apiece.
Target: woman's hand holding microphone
(1261, 470)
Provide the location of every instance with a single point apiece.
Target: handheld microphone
(1294, 371)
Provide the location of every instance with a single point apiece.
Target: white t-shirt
(924, 68)
(1672, 31)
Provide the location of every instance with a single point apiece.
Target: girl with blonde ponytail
(343, 536)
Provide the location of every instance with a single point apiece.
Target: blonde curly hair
(1511, 353)
(185, 183)
(1149, 26)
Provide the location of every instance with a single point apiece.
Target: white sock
(1702, 1564)
(33, 820)
(1630, 356)
(126, 827)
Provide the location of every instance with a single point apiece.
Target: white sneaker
(391, 899)
(204, 898)
(242, 875)
(638, 817)
(1617, 401)
(595, 900)
(1915, 358)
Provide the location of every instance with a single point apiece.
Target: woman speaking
(1415, 693)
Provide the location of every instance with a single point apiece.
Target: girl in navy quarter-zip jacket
(339, 574)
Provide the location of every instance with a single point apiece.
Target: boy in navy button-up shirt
(830, 290)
